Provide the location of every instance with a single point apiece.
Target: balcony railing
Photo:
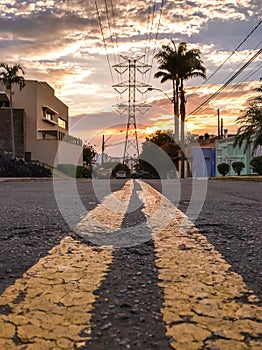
(60, 136)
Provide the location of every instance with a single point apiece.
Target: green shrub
(238, 167)
(223, 168)
(256, 164)
(72, 170)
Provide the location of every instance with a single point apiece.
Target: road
(128, 270)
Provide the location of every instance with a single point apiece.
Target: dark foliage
(18, 168)
(78, 171)
(238, 167)
(256, 164)
(223, 168)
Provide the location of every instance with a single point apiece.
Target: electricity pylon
(130, 66)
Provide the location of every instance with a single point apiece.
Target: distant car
(121, 174)
(141, 174)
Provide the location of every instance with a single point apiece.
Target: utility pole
(218, 124)
(221, 128)
(103, 149)
(131, 65)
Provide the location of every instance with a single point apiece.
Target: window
(49, 114)
(62, 123)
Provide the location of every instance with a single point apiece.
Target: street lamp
(104, 142)
(103, 146)
(176, 123)
(151, 89)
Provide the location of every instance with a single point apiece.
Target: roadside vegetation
(250, 124)
(238, 167)
(256, 164)
(9, 77)
(19, 168)
(177, 64)
(223, 169)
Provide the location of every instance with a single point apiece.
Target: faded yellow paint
(51, 305)
(202, 295)
(108, 215)
(56, 298)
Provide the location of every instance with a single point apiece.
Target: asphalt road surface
(128, 270)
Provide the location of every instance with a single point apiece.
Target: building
(203, 162)
(45, 137)
(4, 100)
(19, 131)
(227, 153)
(204, 157)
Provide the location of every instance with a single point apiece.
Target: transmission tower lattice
(131, 66)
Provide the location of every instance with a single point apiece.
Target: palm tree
(168, 60)
(9, 77)
(179, 64)
(250, 122)
(191, 67)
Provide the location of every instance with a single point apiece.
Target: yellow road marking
(203, 297)
(108, 216)
(50, 306)
(56, 298)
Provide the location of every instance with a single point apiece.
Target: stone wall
(5, 131)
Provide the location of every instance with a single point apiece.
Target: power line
(150, 31)
(233, 52)
(114, 27)
(104, 41)
(249, 75)
(156, 38)
(105, 46)
(110, 31)
(147, 34)
(230, 55)
(254, 72)
(255, 48)
(196, 110)
(239, 65)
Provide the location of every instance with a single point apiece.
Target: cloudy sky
(73, 45)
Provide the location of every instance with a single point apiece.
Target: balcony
(60, 136)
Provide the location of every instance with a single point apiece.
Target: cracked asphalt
(167, 285)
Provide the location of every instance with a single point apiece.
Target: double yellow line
(50, 307)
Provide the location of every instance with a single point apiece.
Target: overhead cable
(230, 55)
(196, 110)
(233, 52)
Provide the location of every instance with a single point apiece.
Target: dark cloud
(60, 41)
(45, 24)
(227, 35)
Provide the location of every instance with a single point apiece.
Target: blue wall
(203, 162)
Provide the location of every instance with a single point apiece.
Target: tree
(191, 66)
(159, 154)
(223, 168)
(88, 154)
(9, 76)
(179, 64)
(238, 167)
(256, 164)
(250, 129)
(168, 59)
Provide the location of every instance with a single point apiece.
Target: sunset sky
(61, 42)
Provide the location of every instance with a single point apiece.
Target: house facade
(227, 153)
(46, 137)
(203, 162)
